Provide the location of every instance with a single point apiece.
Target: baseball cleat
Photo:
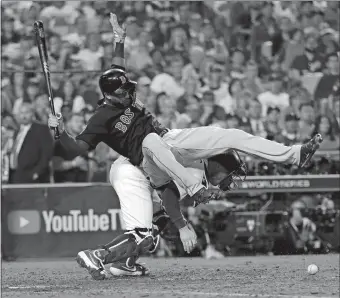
(308, 150)
(91, 261)
(123, 269)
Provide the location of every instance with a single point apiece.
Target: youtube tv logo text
(75, 221)
(22, 222)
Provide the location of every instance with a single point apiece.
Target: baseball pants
(136, 196)
(166, 158)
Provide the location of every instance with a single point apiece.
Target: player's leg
(162, 165)
(205, 142)
(135, 196)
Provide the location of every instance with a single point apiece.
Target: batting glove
(119, 32)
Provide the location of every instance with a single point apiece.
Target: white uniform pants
(134, 192)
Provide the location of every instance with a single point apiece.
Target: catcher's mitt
(166, 228)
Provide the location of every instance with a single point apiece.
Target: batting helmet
(115, 82)
(235, 167)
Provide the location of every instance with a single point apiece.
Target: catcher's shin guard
(130, 244)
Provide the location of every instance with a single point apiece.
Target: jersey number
(125, 120)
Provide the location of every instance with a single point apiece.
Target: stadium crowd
(269, 68)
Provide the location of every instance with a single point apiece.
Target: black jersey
(122, 129)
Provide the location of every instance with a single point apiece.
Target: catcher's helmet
(115, 82)
(235, 167)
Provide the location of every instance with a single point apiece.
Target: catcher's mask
(236, 168)
(114, 82)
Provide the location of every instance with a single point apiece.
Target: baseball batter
(123, 123)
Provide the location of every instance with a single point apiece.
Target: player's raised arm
(119, 34)
(75, 147)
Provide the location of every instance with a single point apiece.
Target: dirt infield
(281, 277)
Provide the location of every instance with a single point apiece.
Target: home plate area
(256, 276)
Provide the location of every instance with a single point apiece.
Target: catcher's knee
(130, 244)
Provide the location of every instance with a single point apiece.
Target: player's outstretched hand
(56, 121)
(188, 237)
(119, 32)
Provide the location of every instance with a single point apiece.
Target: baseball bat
(41, 43)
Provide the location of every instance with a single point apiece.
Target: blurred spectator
(208, 102)
(307, 121)
(213, 46)
(264, 29)
(255, 119)
(297, 97)
(29, 95)
(165, 110)
(171, 81)
(328, 42)
(18, 84)
(332, 14)
(194, 72)
(218, 117)
(332, 64)
(299, 234)
(229, 103)
(178, 42)
(68, 168)
(72, 98)
(32, 149)
(310, 60)
(237, 64)
(139, 57)
(7, 136)
(217, 84)
(144, 93)
(275, 97)
(194, 111)
(251, 79)
(7, 96)
(42, 108)
(293, 48)
(306, 13)
(243, 100)
(90, 57)
(331, 141)
(331, 75)
(8, 32)
(290, 132)
(271, 124)
(233, 121)
(158, 62)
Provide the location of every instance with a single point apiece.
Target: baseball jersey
(122, 129)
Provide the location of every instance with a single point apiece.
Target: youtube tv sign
(48, 221)
(23, 222)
